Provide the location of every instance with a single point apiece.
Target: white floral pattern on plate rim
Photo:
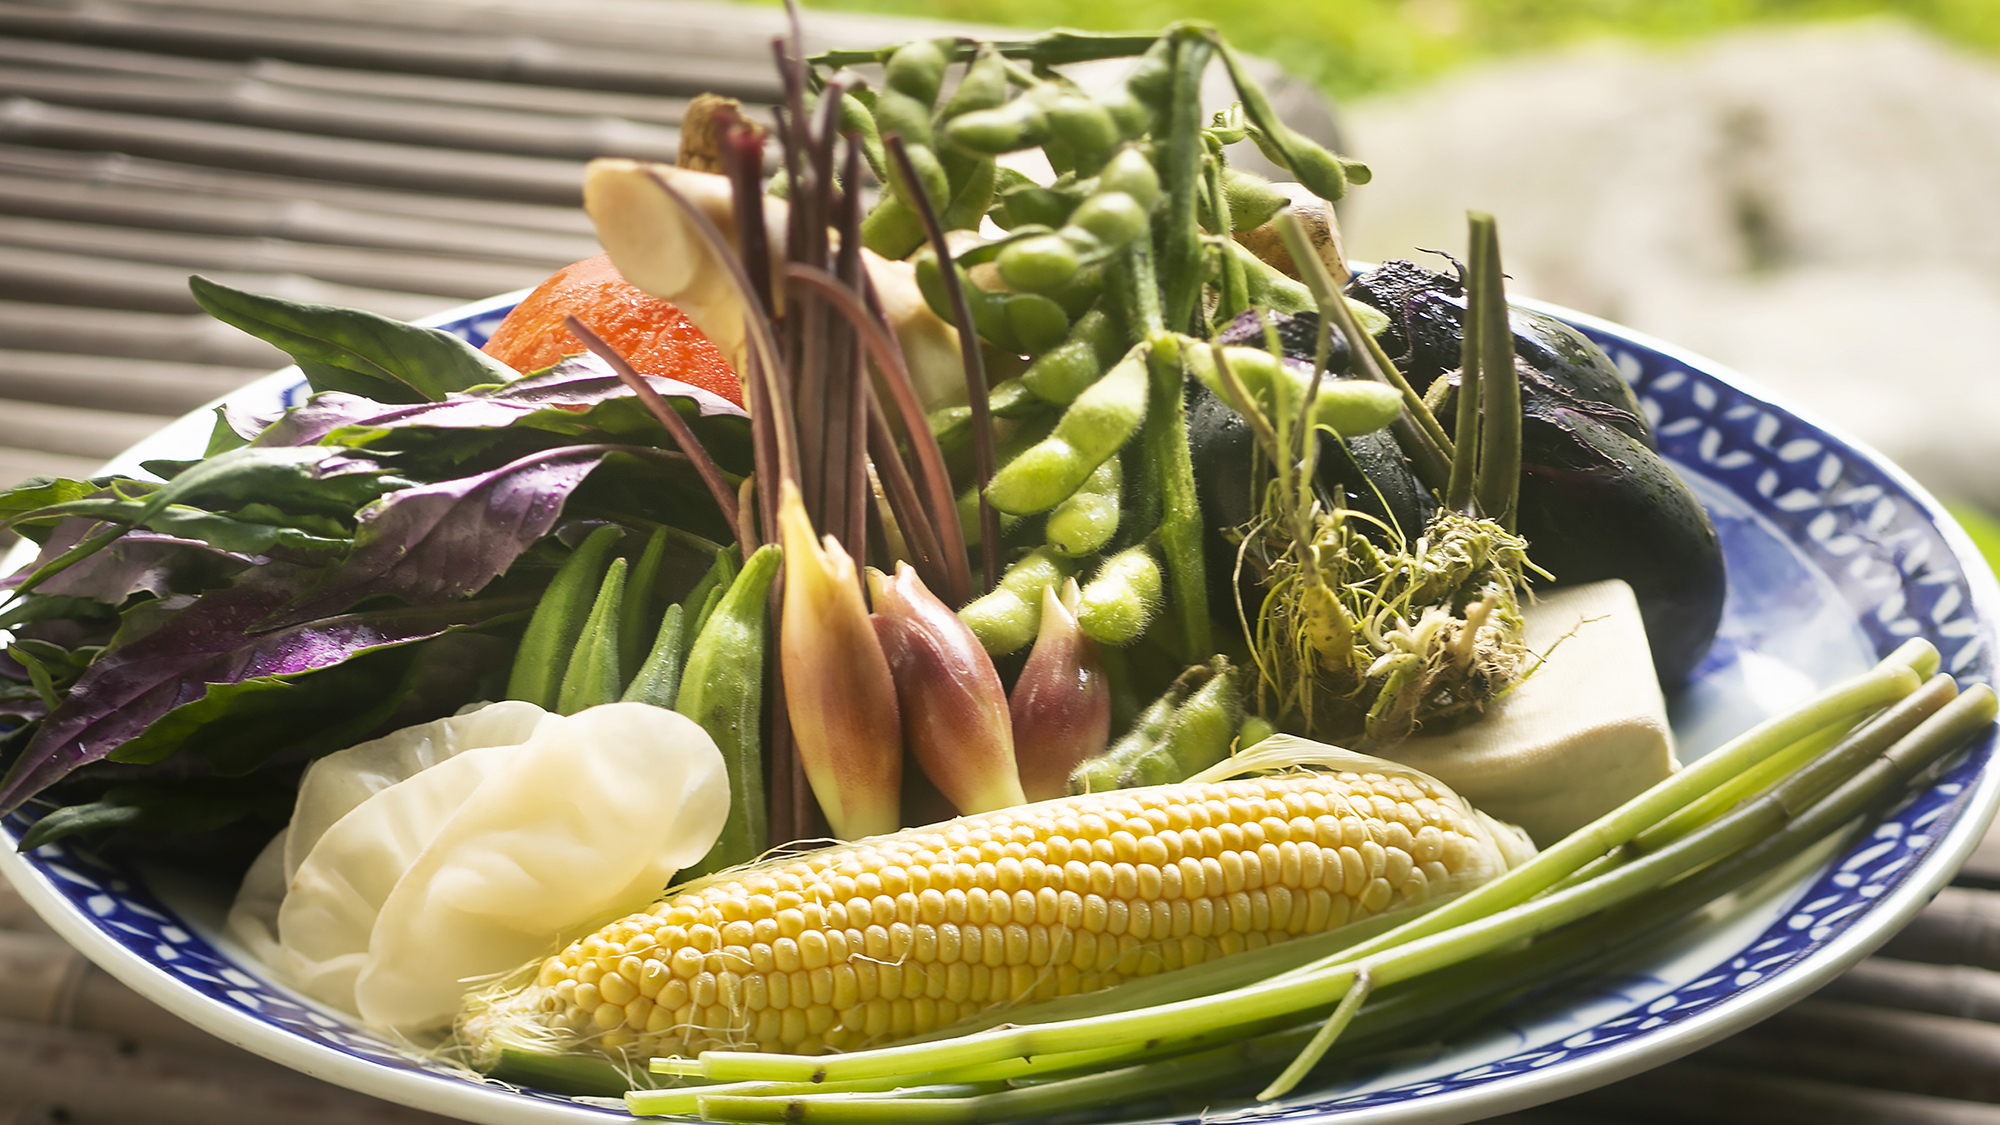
(1876, 539)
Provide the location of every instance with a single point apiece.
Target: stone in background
(1816, 206)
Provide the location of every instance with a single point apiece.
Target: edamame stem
(1165, 445)
(1180, 175)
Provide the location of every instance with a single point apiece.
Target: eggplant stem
(1499, 483)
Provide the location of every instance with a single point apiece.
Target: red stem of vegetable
(975, 367)
(667, 416)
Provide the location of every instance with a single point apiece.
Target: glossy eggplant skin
(1427, 324)
(1596, 503)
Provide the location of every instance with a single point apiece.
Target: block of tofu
(1587, 731)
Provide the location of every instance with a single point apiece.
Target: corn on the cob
(871, 942)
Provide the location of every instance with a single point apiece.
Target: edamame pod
(983, 87)
(972, 180)
(1068, 369)
(1101, 420)
(893, 229)
(1086, 128)
(592, 675)
(1188, 729)
(1085, 522)
(1348, 407)
(1133, 174)
(1037, 323)
(1023, 201)
(1268, 287)
(722, 689)
(1250, 198)
(916, 69)
(1021, 123)
(1109, 221)
(1122, 598)
(558, 620)
(1009, 615)
(1038, 263)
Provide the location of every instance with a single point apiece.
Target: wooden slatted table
(407, 155)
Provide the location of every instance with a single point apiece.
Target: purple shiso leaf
(322, 414)
(130, 688)
(435, 542)
(426, 545)
(553, 399)
(140, 561)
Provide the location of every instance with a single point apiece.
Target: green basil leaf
(350, 350)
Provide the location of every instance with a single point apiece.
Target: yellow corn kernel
(866, 943)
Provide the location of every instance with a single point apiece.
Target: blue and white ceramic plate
(1835, 557)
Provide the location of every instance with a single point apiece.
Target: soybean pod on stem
(1178, 229)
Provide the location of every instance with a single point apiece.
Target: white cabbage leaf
(485, 859)
(334, 785)
(591, 818)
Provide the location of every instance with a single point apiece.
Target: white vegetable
(480, 862)
(1583, 734)
(334, 785)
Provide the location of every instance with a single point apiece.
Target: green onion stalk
(1870, 737)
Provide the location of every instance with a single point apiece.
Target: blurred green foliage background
(1356, 47)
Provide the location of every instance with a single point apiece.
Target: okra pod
(722, 688)
(558, 620)
(594, 672)
(701, 600)
(658, 680)
(635, 619)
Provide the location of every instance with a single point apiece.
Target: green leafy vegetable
(350, 350)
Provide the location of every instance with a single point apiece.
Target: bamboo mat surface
(408, 155)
